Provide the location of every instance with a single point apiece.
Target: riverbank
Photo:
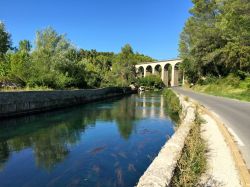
(194, 156)
(162, 169)
(26, 102)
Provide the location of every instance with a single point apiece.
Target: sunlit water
(108, 143)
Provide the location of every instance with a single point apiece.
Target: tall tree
(25, 45)
(235, 26)
(5, 39)
(123, 69)
(48, 57)
(215, 39)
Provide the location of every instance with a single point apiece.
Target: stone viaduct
(162, 68)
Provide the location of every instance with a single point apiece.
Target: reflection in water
(81, 146)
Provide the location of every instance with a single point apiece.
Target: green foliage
(19, 67)
(172, 104)
(151, 81)
(25, 45)
(49, 58)
(124, 65)
(5, 40)
(216, 39)
(55, 63)
(231, 86)
(123, 70)
(140, 58)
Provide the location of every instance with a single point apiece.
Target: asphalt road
(235, 114)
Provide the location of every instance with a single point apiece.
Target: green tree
(5, 45)
(151, 81)
(123, 70)
(215, 39)
(55, 63)
(25, 45)
(19, 67)
(48, 58)
(234, 23)
(5, 39)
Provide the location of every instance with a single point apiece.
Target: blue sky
(152, 27)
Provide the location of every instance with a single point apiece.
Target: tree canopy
(5, 39)
(216, 39)
(54, 62)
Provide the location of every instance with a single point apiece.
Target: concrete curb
(239, 161)
(161, 170)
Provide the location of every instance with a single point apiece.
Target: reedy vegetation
(192, 163)
(172, 105)
(55, 63)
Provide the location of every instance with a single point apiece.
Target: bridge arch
(169, 71)
(149, 70)
(157, 69)
(140, 71)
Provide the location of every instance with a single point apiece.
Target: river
(108, 143)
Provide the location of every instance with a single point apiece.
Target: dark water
(109, 143)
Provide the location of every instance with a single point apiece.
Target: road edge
(237, 156)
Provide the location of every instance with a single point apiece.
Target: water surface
(107, 144)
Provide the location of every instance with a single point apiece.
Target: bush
(231, 86)
(232, 80)
(242, 75)
(151, 81)
(207, 80)
(172, 104)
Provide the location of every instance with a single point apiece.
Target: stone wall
(23, 102)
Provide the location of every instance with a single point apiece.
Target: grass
(11, 89)
(192, 163)
(231, 87)
(172, 105)
(37, 88)
(186, 98)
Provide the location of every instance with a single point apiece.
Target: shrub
(172, 104)
(231, 79)
(151, 81)
(207, 80)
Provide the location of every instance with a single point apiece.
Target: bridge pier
(164, 77)
(153, 70)
(175, 76)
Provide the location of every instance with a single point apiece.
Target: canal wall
(161, 170)
(25, 102)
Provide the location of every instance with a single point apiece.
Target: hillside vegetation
(215, 47)
(230, 86)
(55, 63)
